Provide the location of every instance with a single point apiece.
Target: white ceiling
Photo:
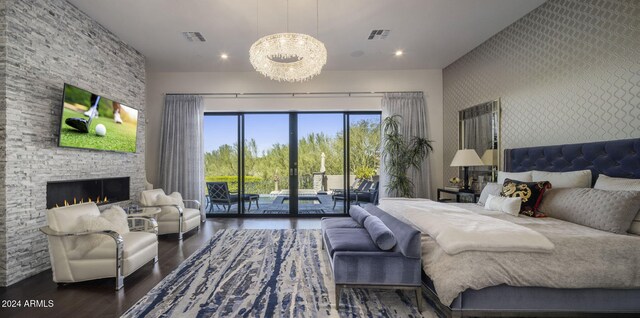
(432, 33)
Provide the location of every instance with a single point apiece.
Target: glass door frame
(293, 162)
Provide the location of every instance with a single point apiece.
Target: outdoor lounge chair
(368, 196)
(219, 195)
(364, 186)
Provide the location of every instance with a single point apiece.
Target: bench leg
(338, 292)
(419, 298)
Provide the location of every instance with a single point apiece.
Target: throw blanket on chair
(458, 230)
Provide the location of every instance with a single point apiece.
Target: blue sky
(269, 129)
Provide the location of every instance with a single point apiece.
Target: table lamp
(490, 158)
(466, 158)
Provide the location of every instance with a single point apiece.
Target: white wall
(427, 81)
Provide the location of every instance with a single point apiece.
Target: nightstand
(473, 196)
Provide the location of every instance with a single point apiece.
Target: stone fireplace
(101, 191)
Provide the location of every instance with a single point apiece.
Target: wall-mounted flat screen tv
(92, 121)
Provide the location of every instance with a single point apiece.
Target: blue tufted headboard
(616, 158)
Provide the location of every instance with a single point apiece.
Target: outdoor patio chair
(364, 186)
(219, 195)
(368, 196)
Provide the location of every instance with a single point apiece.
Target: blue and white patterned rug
(265, 273)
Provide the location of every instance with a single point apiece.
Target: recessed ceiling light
(399, 53)
(224, 56)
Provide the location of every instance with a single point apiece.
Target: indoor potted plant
(399, 156)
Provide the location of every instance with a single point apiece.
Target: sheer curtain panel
(181, 147)
(413, 109)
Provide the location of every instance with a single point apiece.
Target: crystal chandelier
(289, 57)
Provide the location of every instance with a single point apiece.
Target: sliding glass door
(266, 163)
(221, 163)
(320, 163)
(290, 163)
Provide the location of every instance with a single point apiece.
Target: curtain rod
(292, 94)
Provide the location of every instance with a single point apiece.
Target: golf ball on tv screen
(101, 130)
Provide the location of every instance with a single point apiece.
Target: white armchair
(174, 217)
(117, 257)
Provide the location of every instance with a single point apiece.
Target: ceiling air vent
(378, 34)
(194, 36)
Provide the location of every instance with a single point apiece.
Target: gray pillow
(380, 233)
(491, 188)
(611, 211)
(358, 214)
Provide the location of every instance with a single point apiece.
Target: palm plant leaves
(400, 155)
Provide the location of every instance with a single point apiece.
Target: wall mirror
(479, 129)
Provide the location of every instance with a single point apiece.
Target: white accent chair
(118, 257)
(174, 218)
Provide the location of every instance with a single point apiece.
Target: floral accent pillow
(530, 192)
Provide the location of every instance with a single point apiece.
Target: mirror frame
(496, 127)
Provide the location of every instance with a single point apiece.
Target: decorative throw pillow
(520, 176)
(530, 192)
(172, 199)
(605, 210)
(112, 219)
(605, 182)
(380, 233)
(569, 179)
(504, 204)
(492, 188)
(178, 197)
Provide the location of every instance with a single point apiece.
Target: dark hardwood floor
(99, 299)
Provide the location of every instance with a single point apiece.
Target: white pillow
(172, 199)
(605, 182)
(570, 179)
(520, 176)
(112, 219)
(504, 204)
(490, 188)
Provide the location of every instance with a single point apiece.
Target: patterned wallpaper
(567, 72)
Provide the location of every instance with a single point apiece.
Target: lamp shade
(489, 157)
(466, 158)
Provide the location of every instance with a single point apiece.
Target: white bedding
(459, 230)
(583, 258)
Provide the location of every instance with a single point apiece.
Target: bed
(607, 264)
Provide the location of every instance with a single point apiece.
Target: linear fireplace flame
(100, 191)
(76, 201)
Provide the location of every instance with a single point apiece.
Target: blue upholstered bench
(358, 261)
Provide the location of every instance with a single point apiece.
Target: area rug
(265, 273)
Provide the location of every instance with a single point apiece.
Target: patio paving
(308, 204)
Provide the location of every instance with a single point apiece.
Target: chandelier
(289, 57)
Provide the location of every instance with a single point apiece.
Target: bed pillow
(503, 204)
(359, 214)
(605, 182)
(493, 188)
(605, 210)
(520, 176)
(530, 192)
(380, 233)
(570, 179)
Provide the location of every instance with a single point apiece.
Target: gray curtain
(413, 109)
(181, 147)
